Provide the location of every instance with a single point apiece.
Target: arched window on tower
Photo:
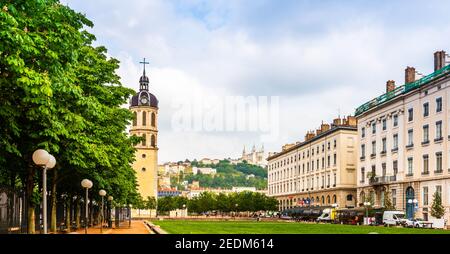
(134, 118)
(144, 118)
(153, 141)
(144, 141)
(153, 119)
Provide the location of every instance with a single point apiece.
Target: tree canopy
(61, 93)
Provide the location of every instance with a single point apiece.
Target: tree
(437, 209)
(60, 93)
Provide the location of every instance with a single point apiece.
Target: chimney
(390, 86)
(337, 121)
(318, 131)
(309, 135)
(410, 75)
(324, 127)
(351, 121)
(439, 60)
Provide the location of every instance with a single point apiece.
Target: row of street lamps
(47, 161)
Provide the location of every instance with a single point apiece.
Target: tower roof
(144, 97)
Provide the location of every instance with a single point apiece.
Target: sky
(310, 60)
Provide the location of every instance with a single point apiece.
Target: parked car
(416, 223)
(393, 218)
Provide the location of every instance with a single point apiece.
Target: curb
(156, 229)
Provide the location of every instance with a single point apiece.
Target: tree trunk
(29, 194)
(78, 212)
(68, 224)
(53, 215)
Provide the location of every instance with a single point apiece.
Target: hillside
(229, 175)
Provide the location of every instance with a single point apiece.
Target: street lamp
(110, 199)
(102, 193)
(367, 204)
(45, 160)
(184, 212)
(129, 219)
(414, 202)
(87, 184)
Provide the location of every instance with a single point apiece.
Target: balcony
(394, 150)
(409, 146)
(362, 158)
(424, 143)
(380, 180)
(383, 153)
(373, 155)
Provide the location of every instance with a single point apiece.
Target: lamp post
(367, 204)
(129, 216)
(45, 160)
(110, 199)
(102, 193)
(414, 202)
(236, 205)
(87, 184)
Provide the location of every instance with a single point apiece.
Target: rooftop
(401, 90)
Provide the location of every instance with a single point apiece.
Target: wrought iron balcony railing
(378, 180)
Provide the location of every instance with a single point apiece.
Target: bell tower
(144, 106)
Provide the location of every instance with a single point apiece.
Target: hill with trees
(229, 175)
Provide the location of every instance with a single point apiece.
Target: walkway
(137, 227)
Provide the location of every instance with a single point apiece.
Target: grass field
(253, 227)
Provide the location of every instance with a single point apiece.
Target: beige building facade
(144, 106)
(403, 143)
(320, 171)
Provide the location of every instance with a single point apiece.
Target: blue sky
(320, 57)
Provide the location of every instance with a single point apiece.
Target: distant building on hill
(254, 157)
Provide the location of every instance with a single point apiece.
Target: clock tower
(144, 106)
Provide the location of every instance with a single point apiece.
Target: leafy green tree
(60, 93)
(437, 209)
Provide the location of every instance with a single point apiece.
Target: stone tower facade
(144, 106)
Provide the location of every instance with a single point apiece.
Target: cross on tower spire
(144, 63)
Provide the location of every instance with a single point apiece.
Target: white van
(393, 218)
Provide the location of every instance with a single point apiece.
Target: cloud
(319, 57)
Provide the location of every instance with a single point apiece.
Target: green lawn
(253, 227)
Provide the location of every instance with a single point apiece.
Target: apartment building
(320, 171)
(403, 142)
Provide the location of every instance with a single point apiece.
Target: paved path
(137, 227)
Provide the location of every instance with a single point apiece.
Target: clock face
(144, 100)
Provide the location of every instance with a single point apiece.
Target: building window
(426, 134)
(438, 130)
(374, 128)
(439, 162)
(425, 164)
(439, 190)
(374, 148)
(334, 159)
(395, 167)
(395, 141)
(144, 118)
(363, 151)
(410, 166)
(426, 109)
(363, 174)
(144, 139)
(153, 119)
(439, 104)
(143, 155)
(384, 124)
(383, 141)
(394, 197)
(134, 118)
(328, 181)
(334, 143)
(395, 120)
(153, 141)
(143, 169)
(329, 160)
(410, 137)
(323, 162)
(410, 114)
(425, 196)
(383, 168)
(317, 165)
